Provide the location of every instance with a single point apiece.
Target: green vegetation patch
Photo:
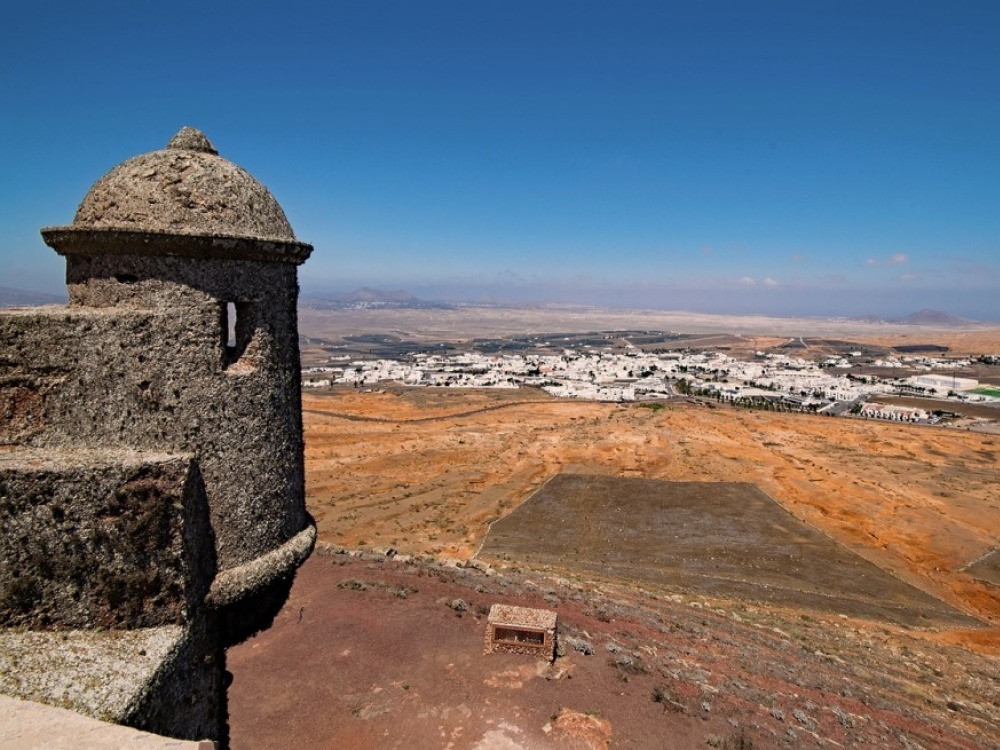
(652, 406)
(987, 390)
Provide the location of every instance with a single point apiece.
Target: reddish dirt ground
(379, 654)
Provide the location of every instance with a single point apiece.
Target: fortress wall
(170, 679)
(28, 724)
(156, 373)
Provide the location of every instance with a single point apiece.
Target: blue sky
(810, 157)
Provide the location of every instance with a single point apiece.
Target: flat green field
(987, 390)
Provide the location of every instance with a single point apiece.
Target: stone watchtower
(151, 462)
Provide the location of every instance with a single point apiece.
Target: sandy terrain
(377, 653)
(427, 471)
(467, 322)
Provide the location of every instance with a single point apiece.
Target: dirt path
(419, 420)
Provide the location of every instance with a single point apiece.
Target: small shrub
(582, 645)
(738, 741)
(353, 585)
(663, 696)
(628, 666)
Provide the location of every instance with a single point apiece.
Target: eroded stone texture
(185, 188)
(97, 538)
(149, 369)
(169, 680)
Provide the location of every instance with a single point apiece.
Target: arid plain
(375, 650)
(426, 471)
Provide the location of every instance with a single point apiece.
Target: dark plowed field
(719, 538)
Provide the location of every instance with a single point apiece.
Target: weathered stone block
(105, 539)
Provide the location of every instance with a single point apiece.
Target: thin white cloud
(896, 259)
(908, 277)
(748, 281)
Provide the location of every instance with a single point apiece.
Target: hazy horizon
(720, 301)
(737, 302)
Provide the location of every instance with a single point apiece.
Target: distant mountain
(367, 299)
(10, 297)
(933, 318)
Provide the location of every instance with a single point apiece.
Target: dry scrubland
(427, 471)
(399, 665)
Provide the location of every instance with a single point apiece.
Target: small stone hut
(520, 630)
(152, 505)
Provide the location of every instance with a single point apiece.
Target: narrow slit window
(238, 327)
(230, 325)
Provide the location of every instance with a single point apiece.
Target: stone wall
(105, 539)
(149, 368)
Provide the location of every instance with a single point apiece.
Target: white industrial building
(943, 383)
